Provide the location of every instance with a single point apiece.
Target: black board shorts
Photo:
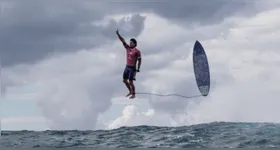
(129, 73)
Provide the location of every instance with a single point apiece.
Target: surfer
(132, 56)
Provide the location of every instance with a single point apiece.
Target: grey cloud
(33, 30)
(99, 101)
(9, 79)
(202, 11)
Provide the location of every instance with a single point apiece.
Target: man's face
(132, 44)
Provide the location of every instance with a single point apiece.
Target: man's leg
(125, 80)
(132, 87)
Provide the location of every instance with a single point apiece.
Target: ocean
(211, 135)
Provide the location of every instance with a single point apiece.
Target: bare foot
(128, 94)
(132, 96)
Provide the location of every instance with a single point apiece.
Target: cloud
(253, 72)
(74, 88)
(76, 95)
(33, 30)
(170, 70)
(17, 94)
(27, 123)
(244, 74)
(199, 11)
(9, 79)
(69, 84)
(55, 28)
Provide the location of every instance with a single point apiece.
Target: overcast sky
(62, 62)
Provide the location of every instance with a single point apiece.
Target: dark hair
(134, 41)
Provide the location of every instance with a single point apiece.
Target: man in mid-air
(132, 56)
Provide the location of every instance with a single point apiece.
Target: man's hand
(138, 70)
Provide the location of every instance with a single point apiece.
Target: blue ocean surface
(212, 135)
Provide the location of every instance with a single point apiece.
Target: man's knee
(131, 82)
(125, 81)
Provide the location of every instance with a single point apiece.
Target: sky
(62, 63)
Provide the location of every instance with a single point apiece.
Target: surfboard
(201, 68)
(201, 73)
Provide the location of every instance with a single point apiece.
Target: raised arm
(121, 39)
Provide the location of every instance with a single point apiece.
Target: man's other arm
(139, 61)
